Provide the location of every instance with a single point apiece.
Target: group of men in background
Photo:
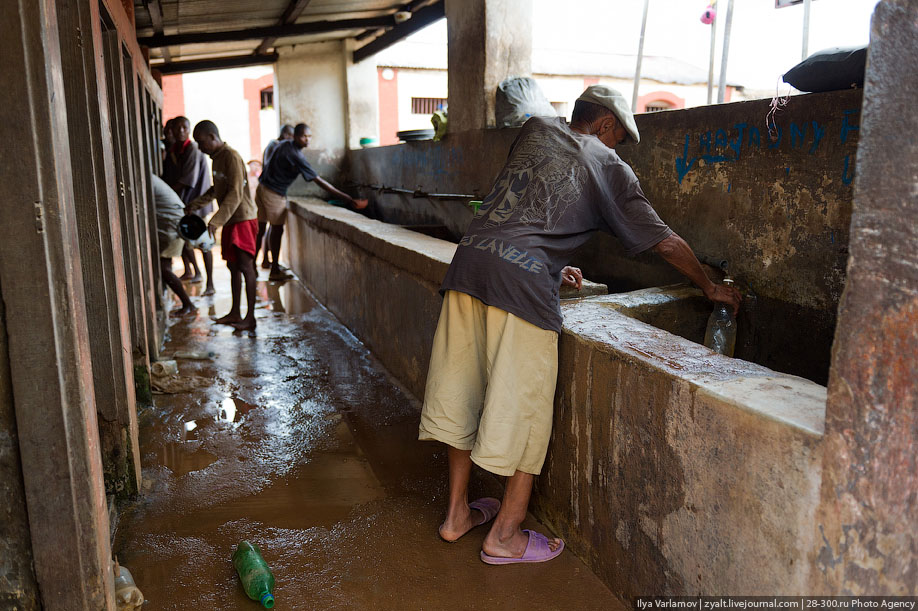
(244, 222)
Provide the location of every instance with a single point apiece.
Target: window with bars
(657, 106)
(426, 106)
(267, 98)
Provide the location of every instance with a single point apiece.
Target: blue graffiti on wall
(425, 161)
(728, 144)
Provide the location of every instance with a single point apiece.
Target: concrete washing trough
(672, 469)
(764, 335)
(675, 469)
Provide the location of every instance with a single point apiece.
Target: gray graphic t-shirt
(556, 189)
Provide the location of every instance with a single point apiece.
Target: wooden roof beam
(276, 31)
(291, 14)
(156, 16)
(217, 63)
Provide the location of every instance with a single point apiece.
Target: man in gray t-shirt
(501, 311)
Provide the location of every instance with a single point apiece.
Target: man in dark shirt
(185, 170)
(286, 163)
(286, 133)
(493, 366)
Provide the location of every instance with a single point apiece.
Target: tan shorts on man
(490, 386)
(272, 207)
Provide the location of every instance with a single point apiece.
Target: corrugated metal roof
(188, 17)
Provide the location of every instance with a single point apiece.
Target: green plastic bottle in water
(256, 577)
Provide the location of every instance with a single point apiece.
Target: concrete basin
(769, 331)
(675, 469)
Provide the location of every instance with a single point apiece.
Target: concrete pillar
(311, 88)
(489, 40)
(362, 97)
(45, 319)
(98, 228)
(868, 517)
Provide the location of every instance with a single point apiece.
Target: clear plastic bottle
(257, 579)
(720, 335)
(127, 595)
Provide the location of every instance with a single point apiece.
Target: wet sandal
(537, 550)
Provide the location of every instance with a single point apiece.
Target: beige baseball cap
(614, 101)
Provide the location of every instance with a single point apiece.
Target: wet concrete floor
(298, 440)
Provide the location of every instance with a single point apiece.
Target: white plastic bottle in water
(127, 595)
(720, 335)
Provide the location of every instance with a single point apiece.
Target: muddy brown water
(303, 444)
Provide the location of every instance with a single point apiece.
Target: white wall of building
(563, 89)
(431, 83)
(310, 89)
(568, 89)
(218, 96)
(418, 84)
(270, 126)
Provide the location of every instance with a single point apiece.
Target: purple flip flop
(487, 506)
(537, 550)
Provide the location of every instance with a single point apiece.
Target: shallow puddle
(233, 410)
(181, 458)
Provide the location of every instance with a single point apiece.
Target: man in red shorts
(236, 214)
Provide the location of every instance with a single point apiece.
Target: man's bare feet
(512, 546)
(209, 291)
(188, 275)
(247, 324)
(467, 517)
(183, 311)
(453, 530)
(265, 264)
(279, 275)
(229, 319)
(196, 279)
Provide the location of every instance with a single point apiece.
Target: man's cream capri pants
(490, 386)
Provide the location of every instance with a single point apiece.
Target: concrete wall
(671, 469)
(487, 42)
(677, 471)
(318, 84)
(463, 163)
(362, 97)
(311, 89)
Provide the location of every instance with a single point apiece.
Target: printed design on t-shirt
(540, 182)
